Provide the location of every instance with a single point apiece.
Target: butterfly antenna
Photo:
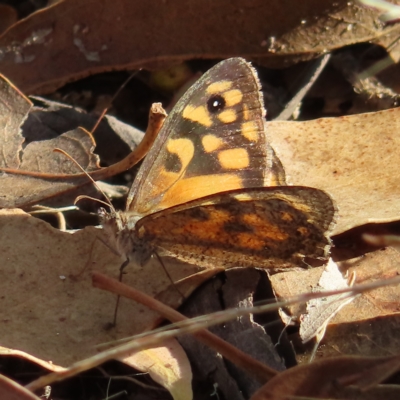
(116, 94)
(107, 202)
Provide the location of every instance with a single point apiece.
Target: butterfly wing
(213, 140)
(266, 228)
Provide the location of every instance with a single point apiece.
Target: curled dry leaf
(168, 365)
(22, 190)
(80, 45)
(14, 108)
(354, 158)
(36, 173)
(27, 189)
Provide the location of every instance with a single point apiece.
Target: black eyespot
(215, 103)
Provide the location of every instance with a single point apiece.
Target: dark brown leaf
(78, 38)
(329, 379)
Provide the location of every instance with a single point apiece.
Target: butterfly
(211, 190)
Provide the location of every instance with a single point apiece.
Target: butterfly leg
(121, 273)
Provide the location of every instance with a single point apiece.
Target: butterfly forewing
(213, 140)
(266, 228)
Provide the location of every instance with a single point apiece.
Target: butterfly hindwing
(266, 228)
(213, 140)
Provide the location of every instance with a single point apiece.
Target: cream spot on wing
(243, 197)
(211, 143)
(227, 116)
(234, 159)
(233, 97)
(218, 87)
(250, 131)
(197, 114)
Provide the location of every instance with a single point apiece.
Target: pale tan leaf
(49, 307)
(354, 158)
(168, 365)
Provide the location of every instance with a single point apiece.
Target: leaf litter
(306, 159)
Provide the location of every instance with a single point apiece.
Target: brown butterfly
(211, 190)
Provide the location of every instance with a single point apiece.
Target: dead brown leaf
(78, 38)
(8, 17)
(331, 378)
(49, 307)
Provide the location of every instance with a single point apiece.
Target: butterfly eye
(215, 103)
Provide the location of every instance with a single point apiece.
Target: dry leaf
(343, 156)
(49, 307)
(14, 108)
(331, 379)
(22, 190)
(86, 43)
(232, 290)
(8, 17)
(49, 119)
(321, 311)
(168, 365)
(369, 324)
(35, 173)
(25, 190)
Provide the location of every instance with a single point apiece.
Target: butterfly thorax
(120, 227)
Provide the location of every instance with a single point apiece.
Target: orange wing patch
(271, 230)
(198, 186)
(197, 114)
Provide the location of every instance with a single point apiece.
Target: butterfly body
(211, 191)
